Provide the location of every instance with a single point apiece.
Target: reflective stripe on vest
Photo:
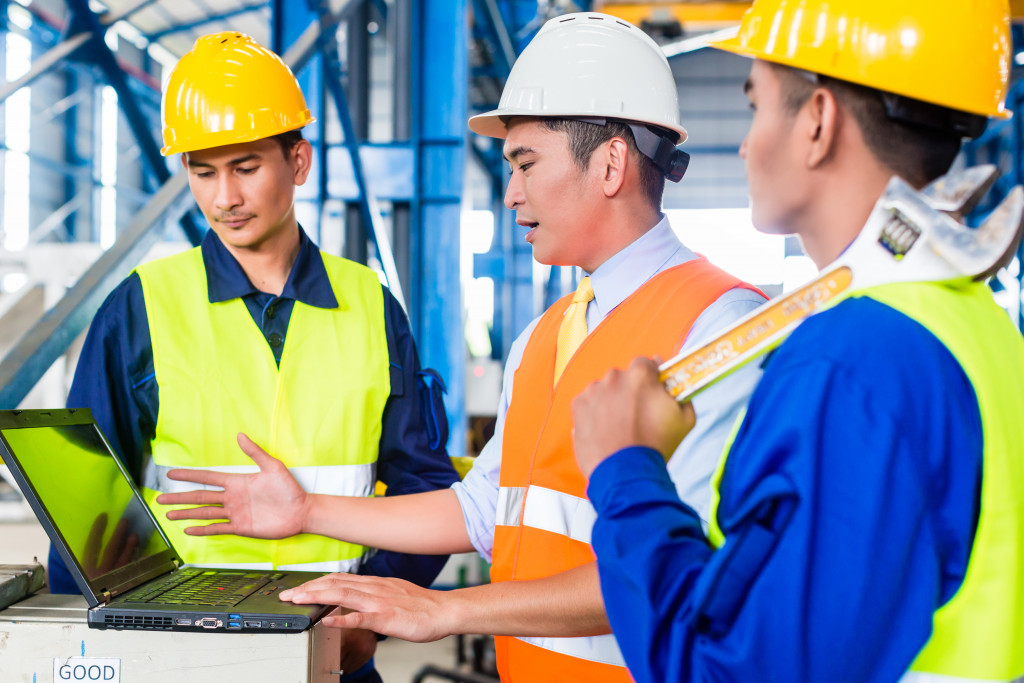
(332, 480)
(977, 635)
(598, 649)
(917, 677)
(319, 412)
(544, 519)
(546, 509)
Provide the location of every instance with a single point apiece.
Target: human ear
(615, 163)
(820, 120)
(301, 159)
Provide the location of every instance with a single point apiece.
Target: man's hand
(265, 504)
(627, 408)
(357, 647)
(392, 607)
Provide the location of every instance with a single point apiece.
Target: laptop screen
(80, 486)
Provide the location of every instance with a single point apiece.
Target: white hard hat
(588, 65)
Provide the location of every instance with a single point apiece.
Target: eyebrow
(517, 152)
(748, 85)
(233, 162)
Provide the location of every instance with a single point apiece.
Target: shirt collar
(626, 271)
(307, 282)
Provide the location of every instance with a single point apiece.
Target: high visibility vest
(320, 412)
(544, 518)
(979, 634)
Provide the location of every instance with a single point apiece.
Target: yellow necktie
(574, 326)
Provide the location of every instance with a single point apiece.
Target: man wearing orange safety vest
(590, 121)
(869, 516)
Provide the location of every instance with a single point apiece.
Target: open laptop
(113, 545)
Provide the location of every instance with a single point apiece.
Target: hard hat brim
(492, 124)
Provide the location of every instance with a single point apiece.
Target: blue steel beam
(368, 201)
(84, 19)
(202, 21)
(439, 64)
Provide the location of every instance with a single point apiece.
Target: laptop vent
(123, 621)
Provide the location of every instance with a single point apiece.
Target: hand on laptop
(388, 606)
(264, 504)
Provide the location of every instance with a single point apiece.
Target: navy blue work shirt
(116, 380)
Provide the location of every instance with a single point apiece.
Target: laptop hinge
(107, 597)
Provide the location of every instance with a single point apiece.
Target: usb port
(234, 616)
(253, 624)
(234, 624)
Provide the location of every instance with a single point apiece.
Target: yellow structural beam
(686, 13)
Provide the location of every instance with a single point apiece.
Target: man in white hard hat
(257, 330)
(869, 524)
(590, 121)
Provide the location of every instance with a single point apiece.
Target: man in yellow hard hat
(258, 331)
(589, 117)
(869, 523)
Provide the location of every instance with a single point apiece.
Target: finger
(217, 529)
(259, 456)
(191, 498)
(359, 620)
(208, 477)
(211, 512)
(343, 597)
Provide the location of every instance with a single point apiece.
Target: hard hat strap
(655, 146)
(916, 112)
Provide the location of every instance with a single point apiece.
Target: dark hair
(918, 154)
(585, 137)
(287, 140)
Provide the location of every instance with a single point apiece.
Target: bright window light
(730, 241)
(19, 17)
(108, 166)
(477, 233)
(17, 118)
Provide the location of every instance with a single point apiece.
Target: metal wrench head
(959, 192)
(908, 239)
(980, 252)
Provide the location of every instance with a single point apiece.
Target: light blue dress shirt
(717, 408)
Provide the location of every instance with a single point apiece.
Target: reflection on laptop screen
(89, 500)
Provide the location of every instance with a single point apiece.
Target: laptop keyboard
(221, 588)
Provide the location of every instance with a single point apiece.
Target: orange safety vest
(544, 518)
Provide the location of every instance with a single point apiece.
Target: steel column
(440, 105)
(357, 87)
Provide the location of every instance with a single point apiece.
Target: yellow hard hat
(953, 54)
(229, 89)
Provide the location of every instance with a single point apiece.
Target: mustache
(226, 217)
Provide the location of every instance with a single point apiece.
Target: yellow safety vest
(320, 412)
(979, 634)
